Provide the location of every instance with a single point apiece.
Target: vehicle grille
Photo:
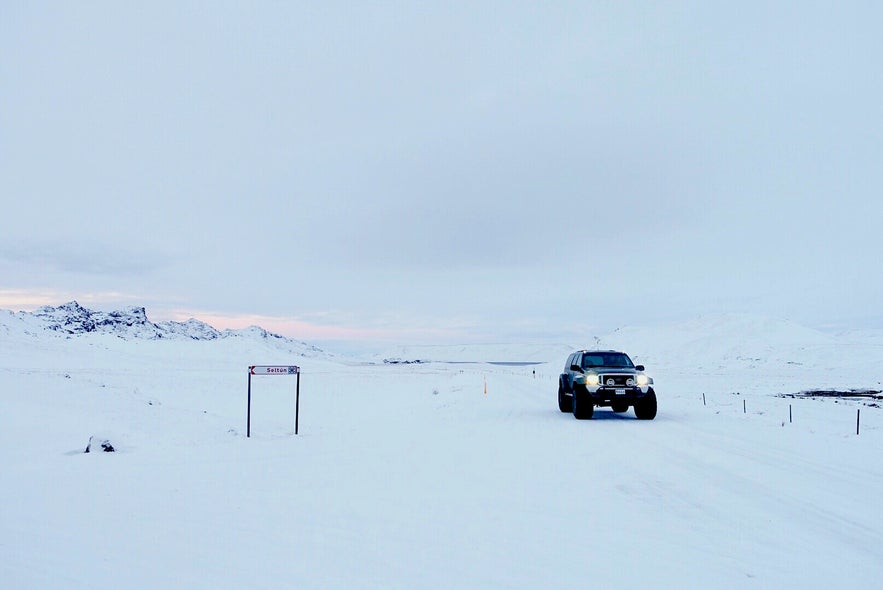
(618, 380)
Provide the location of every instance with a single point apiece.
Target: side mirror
(576, 368)
(639, 367)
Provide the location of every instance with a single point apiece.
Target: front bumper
(603, 396)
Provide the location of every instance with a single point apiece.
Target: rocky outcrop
(132, 323)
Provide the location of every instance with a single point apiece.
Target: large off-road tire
(645, 408)
(565, 404)
(619, 407)
(582, 405)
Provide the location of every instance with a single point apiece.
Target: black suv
(605, 378)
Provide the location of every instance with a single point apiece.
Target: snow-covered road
(410, 476)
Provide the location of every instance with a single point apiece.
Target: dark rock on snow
(97, 444)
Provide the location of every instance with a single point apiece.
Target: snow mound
(192, 329)
(725, 339)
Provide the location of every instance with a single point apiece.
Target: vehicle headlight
(592, 379)
(643, 380)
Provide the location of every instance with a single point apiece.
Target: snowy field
(411, 476)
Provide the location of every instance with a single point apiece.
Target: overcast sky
(420, 172)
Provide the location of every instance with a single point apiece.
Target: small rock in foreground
(96, 443)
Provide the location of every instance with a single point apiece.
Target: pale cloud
(80, 255)
(31, 299)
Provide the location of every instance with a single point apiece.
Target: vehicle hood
(620, 370)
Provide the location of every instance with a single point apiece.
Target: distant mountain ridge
(132, 323)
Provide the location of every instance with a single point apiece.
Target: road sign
(274, 370)
(267, 370)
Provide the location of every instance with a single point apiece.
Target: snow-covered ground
(411, 476)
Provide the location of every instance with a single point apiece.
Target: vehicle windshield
(607, 359)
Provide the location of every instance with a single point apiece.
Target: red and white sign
(267, 370)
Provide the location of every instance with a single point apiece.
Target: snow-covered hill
(431, 475)
(749, 352)
(755, 353)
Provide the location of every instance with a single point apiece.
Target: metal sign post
(274, 370)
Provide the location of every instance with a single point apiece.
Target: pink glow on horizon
(304, 330)
(30, 300)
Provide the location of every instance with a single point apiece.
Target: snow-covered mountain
(71, 319)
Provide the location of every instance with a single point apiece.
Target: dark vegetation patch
(870, 397)
(397, 361)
